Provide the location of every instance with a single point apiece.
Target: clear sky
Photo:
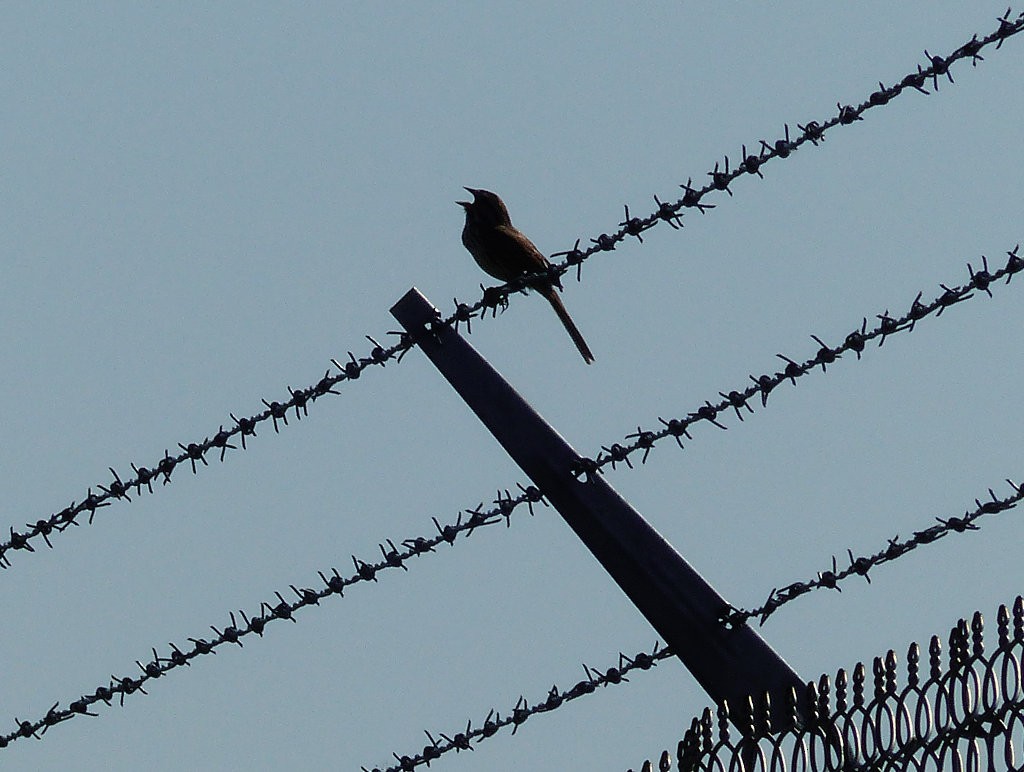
(200, 206)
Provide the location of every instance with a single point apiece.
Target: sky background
(201, 205)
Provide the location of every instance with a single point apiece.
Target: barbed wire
(492, 298)
(859, 566)
(505, 503)
(739, 400)
(193, 452)
(556, 698)
(392, 557)
(722, 176)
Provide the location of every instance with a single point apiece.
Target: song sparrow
(506, 253)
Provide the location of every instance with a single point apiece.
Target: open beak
(467, 204)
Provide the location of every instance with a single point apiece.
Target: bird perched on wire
(505, 253)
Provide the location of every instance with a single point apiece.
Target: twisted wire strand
(245, 625)
(738, 400)
(492, 298)
(859, 566)
(722, 175)
(556, 698)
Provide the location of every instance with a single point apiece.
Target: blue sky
(202, 206)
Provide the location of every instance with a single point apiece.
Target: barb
(556, 698)
(493, 298)
(739, 400)
(859, 566)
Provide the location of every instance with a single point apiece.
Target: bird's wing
(513, 244)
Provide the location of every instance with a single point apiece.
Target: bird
(506, 253)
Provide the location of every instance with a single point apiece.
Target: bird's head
(486, 209)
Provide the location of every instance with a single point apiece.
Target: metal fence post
(729, 664)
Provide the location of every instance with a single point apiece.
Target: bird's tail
(570, 327)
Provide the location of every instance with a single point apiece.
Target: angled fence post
(729, 664)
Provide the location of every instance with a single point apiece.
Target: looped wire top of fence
(958, 709)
